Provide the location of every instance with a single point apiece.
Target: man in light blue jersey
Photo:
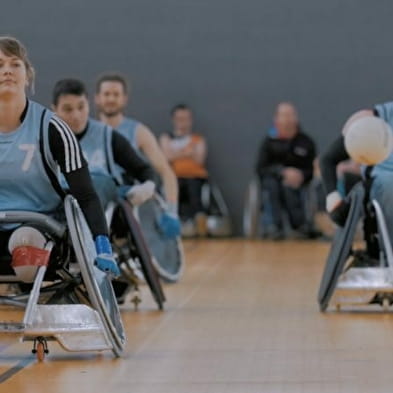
(103, 148)
(111, 100)
(382, 173)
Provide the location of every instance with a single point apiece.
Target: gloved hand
(140, 193)
(338, 208)
(105, 260)
(169, 222)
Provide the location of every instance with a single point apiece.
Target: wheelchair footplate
(363, 286)
(77, 309)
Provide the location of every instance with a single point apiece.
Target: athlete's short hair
(179, 107)
(112, 77)
(68, 86)
(10, 46)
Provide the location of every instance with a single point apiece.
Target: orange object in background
(187, 167)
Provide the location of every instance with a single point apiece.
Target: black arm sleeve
(335, 154)
(78, 179)
(263, 158)
(263, 166)
(126, 156)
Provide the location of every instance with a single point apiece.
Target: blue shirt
(24, 183)
(385, 112)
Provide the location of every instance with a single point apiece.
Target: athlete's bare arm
(199, 152)
(148, 144)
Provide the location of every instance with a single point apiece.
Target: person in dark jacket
(285, 165)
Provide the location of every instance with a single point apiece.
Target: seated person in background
(285, 164)
(186, 151)
(102, 146)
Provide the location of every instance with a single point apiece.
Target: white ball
(369, 140)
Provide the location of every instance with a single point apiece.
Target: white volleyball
(369, 140)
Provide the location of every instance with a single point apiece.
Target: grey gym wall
(231, 60)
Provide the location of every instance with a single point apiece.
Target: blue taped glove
(169, 225)
(105, 260)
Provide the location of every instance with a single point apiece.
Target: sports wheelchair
(253, 208)
(70, 300)
(359, 273)
(219, 223)
(133, 254)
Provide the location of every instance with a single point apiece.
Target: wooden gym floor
(244, 319)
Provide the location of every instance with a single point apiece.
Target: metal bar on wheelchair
(6, 301)
(386, 243)
(35, 292)
(20, 217)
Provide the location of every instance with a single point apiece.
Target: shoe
(274, 232)
(277, 235)
(306, 233)
(188, 228)
(201, 224)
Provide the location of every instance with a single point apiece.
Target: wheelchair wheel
(252, 210)
(384, 238)
(340, 249)
(167, 254)
(138, 245)
(97, 283)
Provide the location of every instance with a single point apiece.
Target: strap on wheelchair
(370, 224)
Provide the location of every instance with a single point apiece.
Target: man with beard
(111, 100)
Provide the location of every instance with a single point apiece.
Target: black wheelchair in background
(133, 254)
(254, 208)
(70, 300)
(359, 273)
(219, 223)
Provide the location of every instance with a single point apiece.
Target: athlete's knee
(27, 247)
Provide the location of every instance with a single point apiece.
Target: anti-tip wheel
(41, 351)
(136, 300)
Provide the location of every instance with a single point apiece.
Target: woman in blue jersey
(34, 145)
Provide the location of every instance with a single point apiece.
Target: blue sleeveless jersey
(24, 184)
(385, 112)
(128, 128)
(96, 145)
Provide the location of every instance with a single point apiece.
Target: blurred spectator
(285, 165)
(186, 151)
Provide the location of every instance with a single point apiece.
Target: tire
(139, 246)
(167, 254)
(97, 283)
(340, 249)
